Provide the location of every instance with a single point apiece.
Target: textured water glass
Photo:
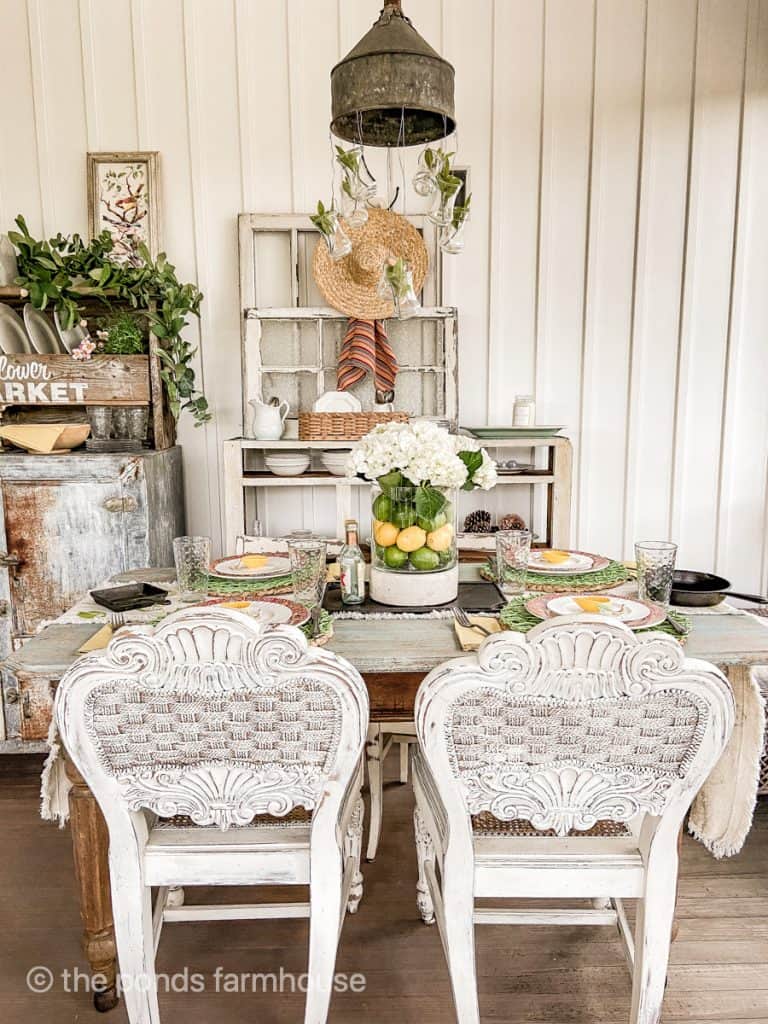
(655, 566)
(308, 570)
(513, 550)
(192, 556)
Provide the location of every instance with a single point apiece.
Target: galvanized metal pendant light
(392, 89)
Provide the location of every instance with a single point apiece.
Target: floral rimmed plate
(577, 563)
(252, 566)
(634, 613)
(270, 611)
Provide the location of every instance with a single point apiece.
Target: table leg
(90, 845)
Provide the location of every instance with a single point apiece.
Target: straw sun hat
(350, 284)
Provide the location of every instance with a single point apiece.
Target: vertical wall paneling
(615, 259)
(106, 46)
(216, 192)
(617, 115)
(568, 88)
(264, 107)
(466, 278)
(708, 276)
(742, 495)
(671, 41)
(516, 135)
(19, 178)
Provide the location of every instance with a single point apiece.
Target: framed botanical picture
(123, 199)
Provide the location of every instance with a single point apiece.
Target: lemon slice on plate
(555, 557)
(253, 561)
(592, 604)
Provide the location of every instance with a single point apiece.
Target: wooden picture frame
(123, 198)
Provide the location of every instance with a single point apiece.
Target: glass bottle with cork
(352, 566)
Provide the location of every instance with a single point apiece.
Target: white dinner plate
(338, 401)
(233, 568)
(70, 337)
(14, 339)
(615, 608)
(41, 332)
(576, 562)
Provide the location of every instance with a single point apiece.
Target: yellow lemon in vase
(411, 538)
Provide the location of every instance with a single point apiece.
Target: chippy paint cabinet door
(66, 535)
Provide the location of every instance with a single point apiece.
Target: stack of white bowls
(287, 463)
(335, 461)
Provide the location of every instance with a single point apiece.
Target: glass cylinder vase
(414, 531)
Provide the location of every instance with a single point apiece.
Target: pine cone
(478, 522)
(512, 521)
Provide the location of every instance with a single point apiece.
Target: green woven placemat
(516, 617)
(219, 587)
(325, 623)
(613, 575)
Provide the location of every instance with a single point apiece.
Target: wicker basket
(343, 426)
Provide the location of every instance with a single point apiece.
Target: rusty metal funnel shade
(392, 89)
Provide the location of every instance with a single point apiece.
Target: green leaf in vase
(429, 502)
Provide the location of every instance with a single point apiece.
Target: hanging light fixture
(392, 89)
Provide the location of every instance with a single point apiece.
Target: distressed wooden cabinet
(67, 523)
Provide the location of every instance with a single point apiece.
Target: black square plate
(130, 596)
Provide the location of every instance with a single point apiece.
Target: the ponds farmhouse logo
(31, 383)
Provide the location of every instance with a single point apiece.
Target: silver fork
(463, 620)
(116, 620)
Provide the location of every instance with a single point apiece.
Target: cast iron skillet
(702, 589)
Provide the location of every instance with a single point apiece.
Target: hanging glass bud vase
(452, 235)
(328, 223)
(396, 284)
(425, 178)
(357, 180)
(448, 185)
(353, 210)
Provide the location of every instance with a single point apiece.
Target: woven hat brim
(397, 236)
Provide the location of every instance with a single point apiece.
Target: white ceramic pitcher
(268, 419)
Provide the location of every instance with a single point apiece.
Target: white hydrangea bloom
(422, 451)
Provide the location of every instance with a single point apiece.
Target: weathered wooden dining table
(393, 655)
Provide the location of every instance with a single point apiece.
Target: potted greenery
(65, 272)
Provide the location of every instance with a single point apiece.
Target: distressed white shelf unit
(351, 495)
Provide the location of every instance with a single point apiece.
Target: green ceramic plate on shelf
(505, 433)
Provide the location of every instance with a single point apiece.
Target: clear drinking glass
(192, 556)
(308, 569)
(655, 565)
(513, 549)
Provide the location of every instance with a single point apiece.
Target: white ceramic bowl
(287, 467)
(335, 462)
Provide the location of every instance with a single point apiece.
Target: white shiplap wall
(618, 255)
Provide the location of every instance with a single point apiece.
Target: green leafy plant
(325, 219)
(348, 159)
(122, 336)
(396, 273)
(64, 271)
(461, 212)
(448, 182)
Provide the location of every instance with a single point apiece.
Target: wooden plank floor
(538, 976)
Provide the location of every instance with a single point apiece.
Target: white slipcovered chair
(221, 754)
(561, 765)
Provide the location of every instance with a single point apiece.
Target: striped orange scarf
(365, 349)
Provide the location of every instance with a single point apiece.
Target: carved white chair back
(577, 722)
(213, 717)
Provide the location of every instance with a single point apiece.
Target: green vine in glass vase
(63, 271)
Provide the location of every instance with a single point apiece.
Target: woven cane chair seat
(485, 824)
(294, 819)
